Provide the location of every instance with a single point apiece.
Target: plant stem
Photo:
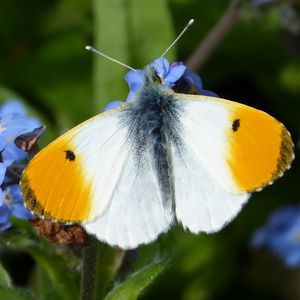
(88, 277)
(215, 36)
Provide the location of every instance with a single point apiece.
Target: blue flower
(193, 84)
(112, 105)
(281, 235)
(262, 2)
(176, 76)
(14, 122)
(2, 175)
(12, 205)
(168, 74)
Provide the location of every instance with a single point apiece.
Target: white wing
(92, 175)
(132, 210)
(136, 214)
(202, 205)
(202, 201)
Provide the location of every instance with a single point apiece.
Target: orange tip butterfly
(127, 174)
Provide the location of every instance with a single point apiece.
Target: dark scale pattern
(286, 152)
(31, 202)
(70, 155)
(236, 125)
(153, 121)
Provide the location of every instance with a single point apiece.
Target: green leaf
(111, 37)
(136, 37)
(4, 277)
(63, 280)
(149, 34)
(48, 257)
(109, 260)
(44, 287)
(136, 283)
(14, 294)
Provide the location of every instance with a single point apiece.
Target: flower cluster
(281, 235)
(13, 123)
(175, 76)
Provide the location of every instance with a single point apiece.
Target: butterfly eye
(156, 78)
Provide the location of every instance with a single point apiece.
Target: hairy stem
(88, 276)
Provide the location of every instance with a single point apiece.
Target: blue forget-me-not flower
(12, 205)
(281, 235)
(13, 123)
(175, 76)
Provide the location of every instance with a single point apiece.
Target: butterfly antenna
(92, 49)
(189, 24)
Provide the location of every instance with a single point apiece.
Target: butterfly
(127, 174)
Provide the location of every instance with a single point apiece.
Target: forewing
(242, 148)
(220, 160)
(73, 178)
(95, 174)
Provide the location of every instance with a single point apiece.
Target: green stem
(88, 279)
(100, 265)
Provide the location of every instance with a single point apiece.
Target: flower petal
(130, 96)
(12, 153)
(112, 105)
(174, 75)
(2, 172)
(209, 93)
(161, 66)
(259, 238)
(4, 214)
(1, 197)
(20, 211)
(281, 235)
(2, 142)
(292, 260)
(193, 79)
(134, 78)
(12, 106)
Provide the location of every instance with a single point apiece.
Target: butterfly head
(151, 76)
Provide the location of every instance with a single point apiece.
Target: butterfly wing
(62, 183)
(90, 175)
(228, 150)
(137, 213)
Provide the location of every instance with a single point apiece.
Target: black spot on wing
(236, 125)
(70, 155)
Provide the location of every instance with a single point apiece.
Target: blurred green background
(44, 63)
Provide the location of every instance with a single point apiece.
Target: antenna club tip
(88, 48)
(191, 22)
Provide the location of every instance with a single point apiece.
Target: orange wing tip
(260, 148)
(285, 159)
(286, 153)
(34, 206)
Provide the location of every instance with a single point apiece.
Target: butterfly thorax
(153, 118)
